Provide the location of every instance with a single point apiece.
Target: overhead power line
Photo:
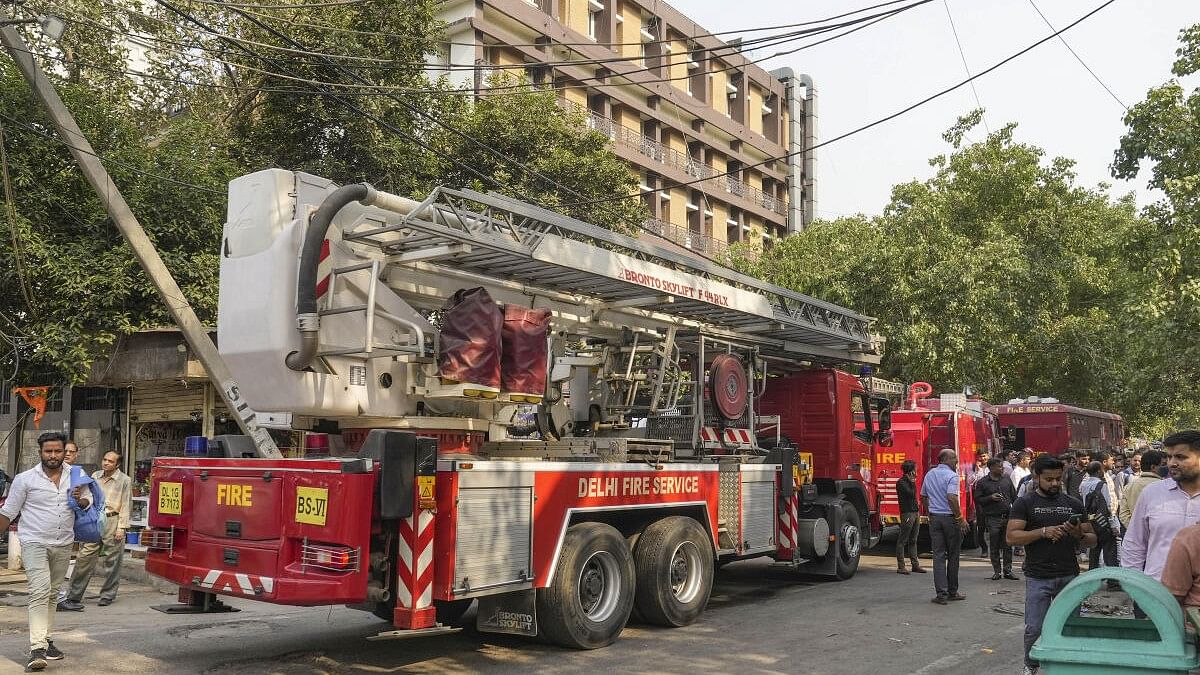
(1080, 59)
(873, 124)
(296, 6)
(590, 43)
(966, 68)
(712, 54)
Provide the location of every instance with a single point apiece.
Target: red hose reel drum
(728, 387)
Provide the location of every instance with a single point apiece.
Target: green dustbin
(1098, 645)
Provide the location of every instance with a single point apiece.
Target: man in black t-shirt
(1050, 524)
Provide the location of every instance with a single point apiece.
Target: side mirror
(884, 420)
(884, 438)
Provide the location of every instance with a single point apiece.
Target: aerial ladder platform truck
(564, 424)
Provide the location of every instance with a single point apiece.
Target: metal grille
(329, 557)
(678, 428)
(758, 514)
(730, 483)
(493, 543)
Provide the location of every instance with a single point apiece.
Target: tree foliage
(999, 272)
(1164, 135)
(187, 106)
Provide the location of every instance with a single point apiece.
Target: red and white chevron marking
(324, 270)
(789, 526)
(414, 590)
(236, 582)
(733, 437)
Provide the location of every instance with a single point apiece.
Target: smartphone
(1074, 520)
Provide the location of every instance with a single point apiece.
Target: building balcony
(663, 154)
(708, 247)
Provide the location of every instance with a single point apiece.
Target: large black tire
(674, 564)
(589, 600)
(848, 549)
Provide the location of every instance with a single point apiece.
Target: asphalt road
(758, 621)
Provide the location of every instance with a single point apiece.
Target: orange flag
(36, 398)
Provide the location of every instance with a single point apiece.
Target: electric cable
(771, 40)
(873, 124)
(591, 43)
(1080, 59)
(966, 68)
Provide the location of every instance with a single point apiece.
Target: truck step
(415, 633)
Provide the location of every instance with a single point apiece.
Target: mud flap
(514, 613)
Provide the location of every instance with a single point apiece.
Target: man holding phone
(1050, 524)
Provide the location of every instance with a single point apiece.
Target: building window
(54, 400)
(6, 398)
(93, 398)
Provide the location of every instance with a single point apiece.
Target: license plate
(312, 505)
(170, 498)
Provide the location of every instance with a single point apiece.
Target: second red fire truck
(563, 424)
(925, 426)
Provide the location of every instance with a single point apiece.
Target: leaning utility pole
(181, 311)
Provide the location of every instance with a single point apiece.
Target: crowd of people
(59, 505)
(1141, 512)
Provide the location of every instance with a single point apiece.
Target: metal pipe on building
(802, 134)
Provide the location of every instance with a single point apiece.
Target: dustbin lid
(1112, 641)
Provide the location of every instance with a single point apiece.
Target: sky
(1056, 104)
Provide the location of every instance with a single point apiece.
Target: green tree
(999, 272)
(80, 285)
(1164, 133)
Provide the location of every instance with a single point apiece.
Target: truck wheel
(674, 563)
(849, 543)
(589, 600)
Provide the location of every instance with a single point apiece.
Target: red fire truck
(924, 427)
(560, 422)
(1046, 425)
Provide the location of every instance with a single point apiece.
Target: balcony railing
(670, 156)
(704, 245)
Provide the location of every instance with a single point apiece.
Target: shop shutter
(166, 401)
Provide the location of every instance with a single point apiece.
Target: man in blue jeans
(939, 494)
(1050, 524)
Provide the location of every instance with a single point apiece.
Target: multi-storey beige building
(679, 104)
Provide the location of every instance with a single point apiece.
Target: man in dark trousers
(910, 518)
(1072, 474)
(1050, 524)
(947, 525)
(994, 496)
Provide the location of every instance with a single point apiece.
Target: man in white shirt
(1021, 467)
(47, 532)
